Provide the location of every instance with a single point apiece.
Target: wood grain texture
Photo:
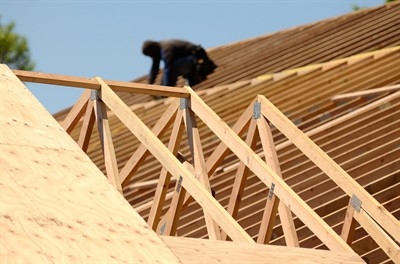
(56, 205)
(205, 251)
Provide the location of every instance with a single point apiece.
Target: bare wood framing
(87, 126)
(374, 229)
(369, 92)
(171, 163)
(165, 177)
(320, 228)
(330, 167)
(169, 223)
(220, 152)
(349, 225)
(110, 159)
(91, 83)
(199, 165)
(271, 158)
(141, 153)
(76, 112)
(241, 176)
(191, 250)
(147, 184)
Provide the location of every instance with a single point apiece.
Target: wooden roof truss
(192, 179)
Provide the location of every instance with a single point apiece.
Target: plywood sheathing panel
(56, 205)
(206, 251)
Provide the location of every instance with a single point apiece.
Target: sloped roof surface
(361, 133)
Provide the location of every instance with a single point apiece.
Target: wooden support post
(380, 236)
(349, 225)
(141, 153)
(165, 176)
(76, 112)
(267, 223)
(241, 176)
(169, 224)
(87, 126)
(199, 165)
(110, 159)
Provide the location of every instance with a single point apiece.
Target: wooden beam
(320, 228)
(373, 228)
(369, 92)
(349, 225)
(199, 165)
(172, 164)
(267, 223)
(241, 176)
(194, 250)
(220, 152)
(91, 83)
(110, 159)
(165, 176)
(87, 126)
(330, 167)
(150, 184)
(169, 224)
(76, 112)
(141, 153)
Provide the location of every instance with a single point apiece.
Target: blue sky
(103, 38)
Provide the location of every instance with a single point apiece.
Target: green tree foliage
(357, 7)
(14, 50)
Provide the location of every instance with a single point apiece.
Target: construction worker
(181, 58)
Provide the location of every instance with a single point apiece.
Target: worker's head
(151, 48)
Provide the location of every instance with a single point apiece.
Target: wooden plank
(191, 250)
(373, 228)
(199, 165)
(169, 224)
(141, 153)
(91, 83)
(171, 163)
(334, 171)
(110, 160)
(87, 126)
(369, 92)
(165, 176)
(241, 176)
(349, 225)
(267, 223)
(267, 175)
(76, 112)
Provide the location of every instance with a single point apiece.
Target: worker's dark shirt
(170, 51)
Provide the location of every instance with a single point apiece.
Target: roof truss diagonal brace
(165, 176)
(212, 163)
(173, 165)
(320, 228)
(371, 213)
(273, 204)
(199, 165)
